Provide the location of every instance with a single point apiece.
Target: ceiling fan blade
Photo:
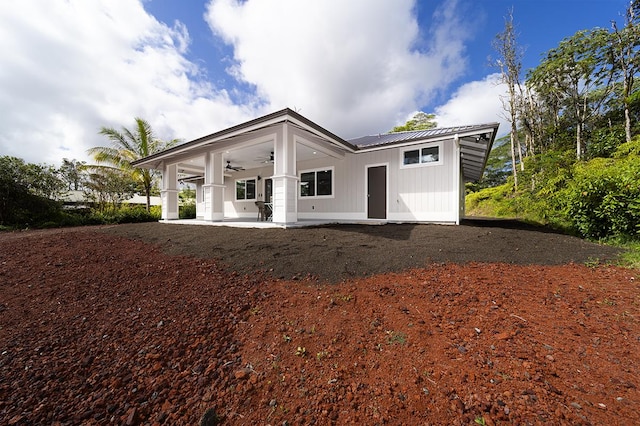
(266, 159)
(234, 168)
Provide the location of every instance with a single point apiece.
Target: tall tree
(420, 121)
(108, 187)
(625, 44)
(578, 74)
(128, 146)
(510, 65)
(71, 172)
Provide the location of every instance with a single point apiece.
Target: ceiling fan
(266, 159)
(234, 168)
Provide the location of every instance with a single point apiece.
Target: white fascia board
(215, 137)
(319, 134)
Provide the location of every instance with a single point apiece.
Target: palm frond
(130, 145)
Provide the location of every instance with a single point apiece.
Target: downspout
(457, 180)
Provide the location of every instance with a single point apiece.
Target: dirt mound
(101, 329)
(340, 252)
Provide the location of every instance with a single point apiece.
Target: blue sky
(193, 67)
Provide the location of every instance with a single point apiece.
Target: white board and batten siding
(422, 193)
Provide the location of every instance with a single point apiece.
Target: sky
(193, 67)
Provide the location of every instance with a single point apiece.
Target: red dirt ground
(104, 329)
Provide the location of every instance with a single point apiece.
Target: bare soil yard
(490, 322)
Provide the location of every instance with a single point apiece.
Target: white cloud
(476, 102)
(69, 67)
(355, 67)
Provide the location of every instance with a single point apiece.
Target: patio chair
(262, 210)
(268, 209)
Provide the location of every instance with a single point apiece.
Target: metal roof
(390, 138)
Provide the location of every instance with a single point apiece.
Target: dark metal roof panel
(391, 138)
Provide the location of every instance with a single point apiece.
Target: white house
(303, 171)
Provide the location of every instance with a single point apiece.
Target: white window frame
(419, 148)
(235, 190)
(315, 171)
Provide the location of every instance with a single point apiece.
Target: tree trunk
(627, 120)
(579, 141)
(513, 162)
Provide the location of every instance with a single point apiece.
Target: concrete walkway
(252, 223)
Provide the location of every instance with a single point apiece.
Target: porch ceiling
(249, 157)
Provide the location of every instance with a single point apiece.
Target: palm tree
(128, 146)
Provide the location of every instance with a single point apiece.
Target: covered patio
(257, 160)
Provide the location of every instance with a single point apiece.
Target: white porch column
(169, 192)
(459, 181)
(213, 187)
(285, 178)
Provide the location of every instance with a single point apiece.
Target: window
(430, 155)
(421, 156)
(246, 189)
(316, 183)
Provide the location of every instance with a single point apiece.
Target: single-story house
(304, 172)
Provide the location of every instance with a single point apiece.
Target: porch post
(213, 187)
(285, 179)
(169, 192)
(458, 182)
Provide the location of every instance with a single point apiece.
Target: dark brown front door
(377, 192)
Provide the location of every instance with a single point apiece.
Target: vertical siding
(413, 193)
(428, 188)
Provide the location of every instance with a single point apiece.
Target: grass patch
(396, 338)
(631, 256)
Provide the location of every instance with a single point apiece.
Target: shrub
(493, 201)
(135, 214)
(156, 211)
(603, 199)
(124, 214)
(187, 211)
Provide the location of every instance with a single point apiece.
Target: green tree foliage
(596, 199)
(578, 76)
(107, 188)
(72, 172)
(497, 170)
(420, 121)
(625, 44)
(29, 195)
(128, 146)
(603, 198)
(187, 207)
(28, 192)
(580, 112)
